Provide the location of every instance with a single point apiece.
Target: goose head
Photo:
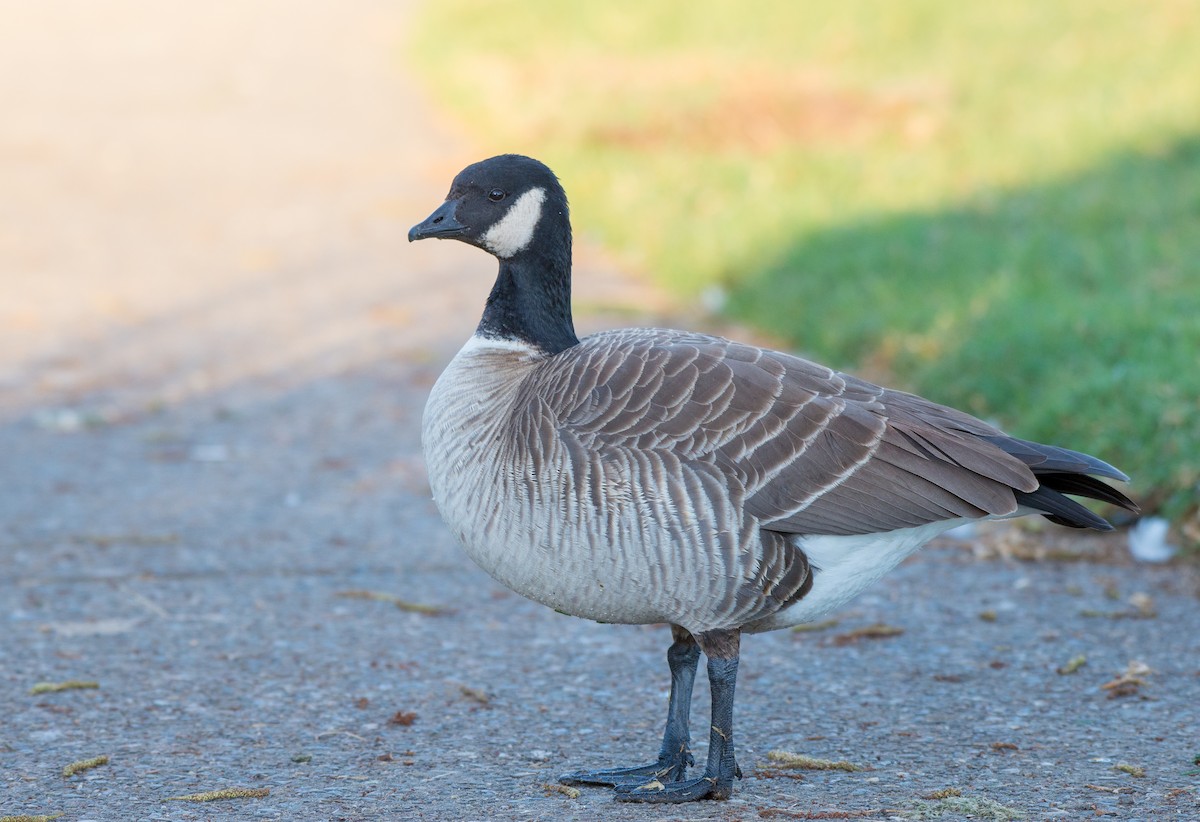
(514, 208)
(508, 205)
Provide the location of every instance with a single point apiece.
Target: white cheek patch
(514, 232)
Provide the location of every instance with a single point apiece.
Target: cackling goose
(655, 476)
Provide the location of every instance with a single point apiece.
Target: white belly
(845, 565)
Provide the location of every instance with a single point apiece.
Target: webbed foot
(666, 769)
(718, 786)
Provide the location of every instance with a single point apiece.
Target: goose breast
(567, 484)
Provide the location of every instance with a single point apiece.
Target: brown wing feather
(814, 451)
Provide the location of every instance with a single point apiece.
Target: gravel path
(215, 345)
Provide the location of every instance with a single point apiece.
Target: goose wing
(810, 450)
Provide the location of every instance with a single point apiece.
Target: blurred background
(195, 198)
(995, 205)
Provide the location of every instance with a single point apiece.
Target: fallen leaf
(1106, 789)
(83, 765)
(1128, 681)
(565, 790)
(224, 793)
(477, 694)
(1073, 665)
(404, 718)
(68, 685)
(877, 631)
(809, 627)
(402, 604)
(787, 759)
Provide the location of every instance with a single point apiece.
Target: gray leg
(675, 755)
(721, 648)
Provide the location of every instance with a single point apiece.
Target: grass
(83, 765)
(222, 794)
(68, 685)
(996, 205)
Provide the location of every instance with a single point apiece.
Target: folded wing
(811, 450)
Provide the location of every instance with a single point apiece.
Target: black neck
(531, 301)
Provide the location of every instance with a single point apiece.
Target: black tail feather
(1061, 471)
(1050, 458)
(1050, 500)
(1062, 510)
(1081, 485)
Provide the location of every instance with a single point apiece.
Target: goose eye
(496, 195)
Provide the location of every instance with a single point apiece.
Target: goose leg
(675, 755)
(721, 648)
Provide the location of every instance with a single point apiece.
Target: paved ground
(215, 345)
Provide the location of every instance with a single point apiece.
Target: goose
(647, 476)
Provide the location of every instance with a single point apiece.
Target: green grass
(997, 205)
